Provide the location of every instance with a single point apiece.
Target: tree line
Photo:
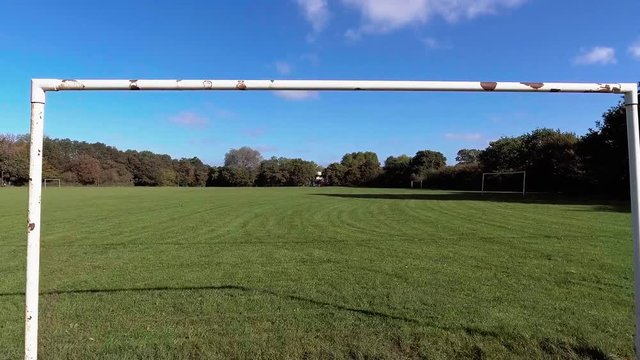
(82, 163)
(555, 161)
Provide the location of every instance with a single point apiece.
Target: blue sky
(489, 40)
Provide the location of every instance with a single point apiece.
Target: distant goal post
(45, 181)
(500, 173)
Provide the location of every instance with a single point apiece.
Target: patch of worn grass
(309, 273)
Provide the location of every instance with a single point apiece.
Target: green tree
(468, 156)
(425, 162)
(234, 176)
(299, 172)
(397, 171)
(605, 155)
(270, 173)
(360, 168)
(334, 174)
(551, 160)
(504, 154)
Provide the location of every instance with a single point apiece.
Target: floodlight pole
(40, 86)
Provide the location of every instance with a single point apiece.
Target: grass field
(305, 273)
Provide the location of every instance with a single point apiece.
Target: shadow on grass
(556, 348)
(597, 204)
(239, 288)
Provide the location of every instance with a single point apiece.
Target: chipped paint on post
(534, 85)
(241, 85)
(488, 85)
(70, 84)
(133, 85)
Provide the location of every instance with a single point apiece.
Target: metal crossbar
(39, 87)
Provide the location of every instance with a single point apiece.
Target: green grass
(306, 273)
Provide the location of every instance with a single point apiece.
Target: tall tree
(605, 154)
(244, 157)
(397, 170)
(360, 168)
(87, 169)
(270, 173)
(425, 162)
(504, 154)
(299, 172)
(234, 176)
(550, 160)
(468, 156)
(334, 174)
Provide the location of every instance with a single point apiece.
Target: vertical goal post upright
(39, 87)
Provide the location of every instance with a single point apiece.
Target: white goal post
(524, 179)
(45, 181)
(39, 87)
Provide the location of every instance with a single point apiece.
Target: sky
(474, 40)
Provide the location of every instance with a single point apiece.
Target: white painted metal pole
(633, 139)
(40, 86)
(33, 228)
(336, 85)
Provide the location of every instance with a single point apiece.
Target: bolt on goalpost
(39, 87)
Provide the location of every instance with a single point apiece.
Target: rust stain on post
(70, 84)
(489, 85)
(606, 88)
(133, 85)
(241, 85)
(31, 226)
(533, 85)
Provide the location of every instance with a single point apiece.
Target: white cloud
(380, 16)
(463, 137)
(297, 95)
(600, 55)
(316, 12)
(189, 119)
(634, 50)
(283, 68)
